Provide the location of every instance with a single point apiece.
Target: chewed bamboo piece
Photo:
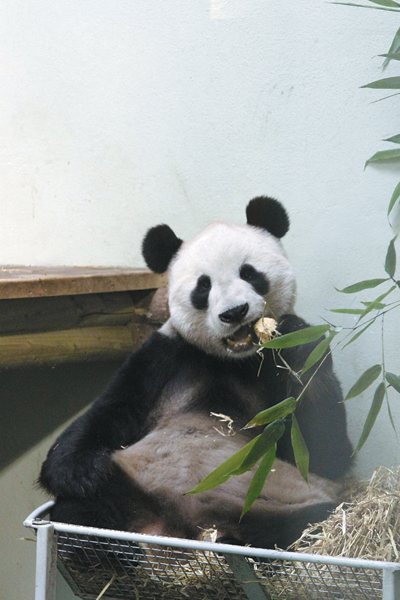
(265, 329)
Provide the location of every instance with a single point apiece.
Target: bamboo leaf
(390, 414)
(390, 262)
(395, 45)
(376, 303)
(394, 381)
(224, 471)
(318, 352)
(271, 434)
(390, 56)
(389, 3)
(371, 417)
(347, 311)
(395, 195)
(392, 420)
(362, 285)
(384, 155)
(366, 379)
(364, 6)
(357, 335)
(395, 139)
(258, 481)
(296, 338)
(378, 306)
(301, 455)
(388, 83)
(279, 411)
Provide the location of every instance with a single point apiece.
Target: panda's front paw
(78, 475)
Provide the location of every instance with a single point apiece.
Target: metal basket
(102, 563)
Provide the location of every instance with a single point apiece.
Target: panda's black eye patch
(255, 278)
(199, 295)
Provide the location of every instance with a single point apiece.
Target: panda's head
(222, 281)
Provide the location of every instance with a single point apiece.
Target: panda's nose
(235, 315)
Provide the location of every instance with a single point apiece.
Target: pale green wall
(68, 389)
(117, 116)
(18, 546)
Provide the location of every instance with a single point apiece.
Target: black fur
(199, 296)
(268, 214)
(159, 247)
(90, 489)
(257, 279)
(273, 530)
(78, 464)
(321, 411)
(168, 381)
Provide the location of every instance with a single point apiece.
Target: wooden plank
(29, 315)
(72, 345)
(32, 282)
(54, 315)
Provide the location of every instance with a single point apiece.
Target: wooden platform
(50, 315)
(32, 282)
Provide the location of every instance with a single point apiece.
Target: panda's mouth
(242, 339)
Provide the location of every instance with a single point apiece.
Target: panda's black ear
(160, 244)
(268, 214)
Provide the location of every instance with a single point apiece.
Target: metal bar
(39, 513)
(46, 562)
(246, 577)
(234, 555)
(224, 548)
(391, 584)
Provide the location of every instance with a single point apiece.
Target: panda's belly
(180, 452)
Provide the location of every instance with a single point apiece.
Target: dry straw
(366, 525)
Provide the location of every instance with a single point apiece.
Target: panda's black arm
(79, 461)
(320, 412)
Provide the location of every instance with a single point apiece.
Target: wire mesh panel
(315, 581)
(107, 564)
(146, 571)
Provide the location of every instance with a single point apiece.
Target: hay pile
(366, 525)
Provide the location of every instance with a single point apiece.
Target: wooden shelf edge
(33, 282)
(73, 345)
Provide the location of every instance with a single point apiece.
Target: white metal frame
(46, 556)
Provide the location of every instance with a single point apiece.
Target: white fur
(219, 252)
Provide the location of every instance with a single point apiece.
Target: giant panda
(155, 433)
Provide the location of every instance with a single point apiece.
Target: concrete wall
(18, 546)
(117, 116)
(42, 393)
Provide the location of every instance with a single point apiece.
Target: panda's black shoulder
(145, 371)
(158, 355)
(161, 348)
